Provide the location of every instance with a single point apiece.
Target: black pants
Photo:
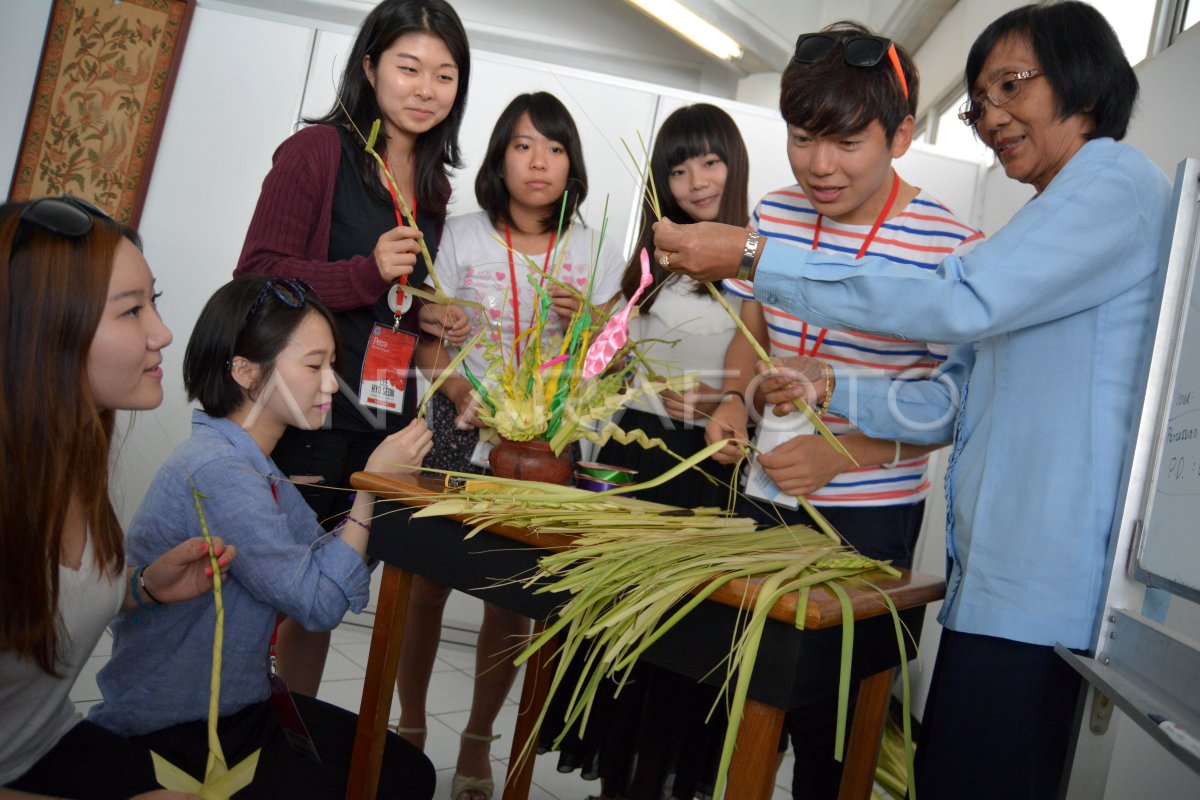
(90, 763)
(998, 721)
(883, 532)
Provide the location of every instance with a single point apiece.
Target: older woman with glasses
(81, 339)
(1051, 319)
(260, 359)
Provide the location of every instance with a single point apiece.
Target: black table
(792, 668)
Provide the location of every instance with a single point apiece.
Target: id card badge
(294, 730)
(772, 432)
(479, 456)
(385, 368)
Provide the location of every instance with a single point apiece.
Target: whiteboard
(1168, 549)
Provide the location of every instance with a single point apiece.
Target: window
(1132, 20)
(1191, 14)
(952, 137)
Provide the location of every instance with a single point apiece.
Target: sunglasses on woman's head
(291, 292)
(64, 216)
(857, 49)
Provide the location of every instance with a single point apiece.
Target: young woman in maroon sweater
(326, 215)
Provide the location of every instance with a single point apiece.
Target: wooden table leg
(756, 754)
(386, 638)
(538, 671)
(866, 736)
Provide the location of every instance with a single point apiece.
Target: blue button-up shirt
(162, 658)
(1053, 319)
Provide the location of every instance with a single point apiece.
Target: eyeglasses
(65, 216)
(858, 50)
(292, 292)
(999, 92)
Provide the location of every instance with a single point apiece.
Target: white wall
(21, 39)
(942, 57)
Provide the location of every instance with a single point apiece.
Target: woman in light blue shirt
(1051, 319)
(260, 359)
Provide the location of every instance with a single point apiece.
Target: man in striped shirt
(847, 121)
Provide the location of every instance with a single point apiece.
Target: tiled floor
(449, 702)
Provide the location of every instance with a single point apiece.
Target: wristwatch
(747, 262)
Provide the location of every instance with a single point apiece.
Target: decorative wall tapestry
(100, 101)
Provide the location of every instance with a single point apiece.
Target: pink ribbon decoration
(555, 360)
(616, 332)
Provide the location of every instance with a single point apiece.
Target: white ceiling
(614, 37)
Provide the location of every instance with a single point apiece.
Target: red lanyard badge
(398, 300)
(514, 289)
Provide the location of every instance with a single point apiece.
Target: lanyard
(515, 293)
(399, 221)
(862, 251)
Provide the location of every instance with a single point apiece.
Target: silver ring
(664, 261)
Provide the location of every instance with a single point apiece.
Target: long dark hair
(54, 440)
(436, 151)
(551, 118)
(690, 131)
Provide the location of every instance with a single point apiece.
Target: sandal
(462, 784)
(407, 735)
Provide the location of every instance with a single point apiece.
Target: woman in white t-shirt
(82, 339)
(533, 158)
(701, 171)
(660, 724)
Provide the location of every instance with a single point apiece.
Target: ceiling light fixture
(688, 24)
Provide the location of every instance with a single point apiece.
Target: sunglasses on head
(291, 292)
(64, 216)
(858, 51)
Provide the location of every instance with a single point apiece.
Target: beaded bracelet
(365, 526)
(823, 406)
(347, 518)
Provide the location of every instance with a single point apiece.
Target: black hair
(436, 151)
(235, 323)
(831, 97)
(1082, 59)
(690, 131)
(551, 118)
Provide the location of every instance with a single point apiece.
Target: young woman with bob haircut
(82, 339)
(326, 215)
(1051, 319)
(533, 161)
(260, 359)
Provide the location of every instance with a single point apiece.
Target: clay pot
(530, 461)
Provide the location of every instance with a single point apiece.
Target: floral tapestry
(100, 101)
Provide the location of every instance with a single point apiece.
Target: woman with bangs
(848, 120)
(659, 726)
(532, 175)
(700, 171)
